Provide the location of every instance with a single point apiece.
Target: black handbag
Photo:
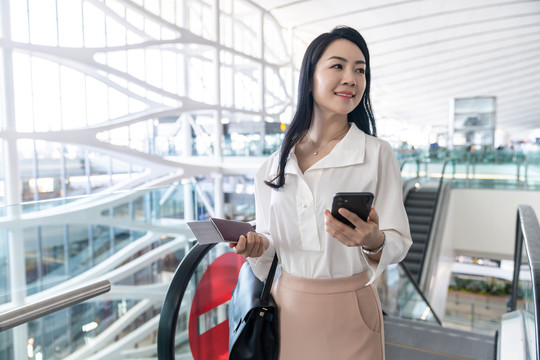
(253, 320)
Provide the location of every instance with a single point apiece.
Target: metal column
(17, 271)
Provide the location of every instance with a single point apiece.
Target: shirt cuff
(261, 265)
(394, 244)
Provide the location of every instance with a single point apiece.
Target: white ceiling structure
(425, 52)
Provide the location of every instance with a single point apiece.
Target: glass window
(75, 175)
(79, 251)
(27, 169)
(4, 269)
(22, 82)
(275, 46)
(2, 184)
(94, 26)
(6, 344)
(53, 255)
(19, 21)
(32, 255)
(42, 22)
(70, 25)
(46, 95)
(50, 170)
(247, 29)
(73, 98)
(103, 244)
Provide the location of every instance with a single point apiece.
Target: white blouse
(292, 217)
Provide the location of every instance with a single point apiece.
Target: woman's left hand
(366, 233)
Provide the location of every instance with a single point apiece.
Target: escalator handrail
(173, 299)
(528, 234)
(417, 160)
(411, 279)
(443, 171)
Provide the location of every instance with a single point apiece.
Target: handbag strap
(270, 279)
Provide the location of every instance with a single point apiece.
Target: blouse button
(305, 206)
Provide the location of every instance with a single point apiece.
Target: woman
(327, 305)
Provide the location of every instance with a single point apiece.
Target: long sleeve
(393, 219)
(261, 265)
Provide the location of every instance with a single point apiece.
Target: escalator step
(421, 203)
(412, 266)
(422, 195)
(419, 238)
(411, 210)
(419, 228)
(417, 248)
(417, 219)
(414, 257)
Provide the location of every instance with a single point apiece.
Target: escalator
(421, 197)
(413, 340)
(420, 205)
(413, 331)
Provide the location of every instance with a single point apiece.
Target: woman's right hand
(251, 245)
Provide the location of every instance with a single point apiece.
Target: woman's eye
(361, 71)
(337, 66)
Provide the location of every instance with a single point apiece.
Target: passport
(218, 230)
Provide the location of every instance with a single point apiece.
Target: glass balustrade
(401, 298)
(134, 238)
(525, 301)
(490, 170)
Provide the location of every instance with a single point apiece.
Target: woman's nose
(348, 78)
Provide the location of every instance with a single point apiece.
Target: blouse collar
(349, 151)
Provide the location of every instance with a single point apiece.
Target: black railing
(528, 234)
(173, 299)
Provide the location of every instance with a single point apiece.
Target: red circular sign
(206, 339)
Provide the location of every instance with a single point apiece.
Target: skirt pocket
(369, 308)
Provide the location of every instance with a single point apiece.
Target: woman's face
(339, 79)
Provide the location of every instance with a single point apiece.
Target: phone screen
(357, 202)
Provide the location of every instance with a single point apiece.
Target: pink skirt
(325, 319)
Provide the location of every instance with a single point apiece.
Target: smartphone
(357, 202)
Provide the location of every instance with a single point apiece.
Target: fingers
(352, 217)
(338, 230)
(240, 245)
(363, 233)
(373, 216)
(251, 245)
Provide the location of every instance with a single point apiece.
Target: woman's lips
(345, 94)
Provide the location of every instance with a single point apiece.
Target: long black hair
(362, 115)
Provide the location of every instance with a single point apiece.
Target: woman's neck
(323, 130)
